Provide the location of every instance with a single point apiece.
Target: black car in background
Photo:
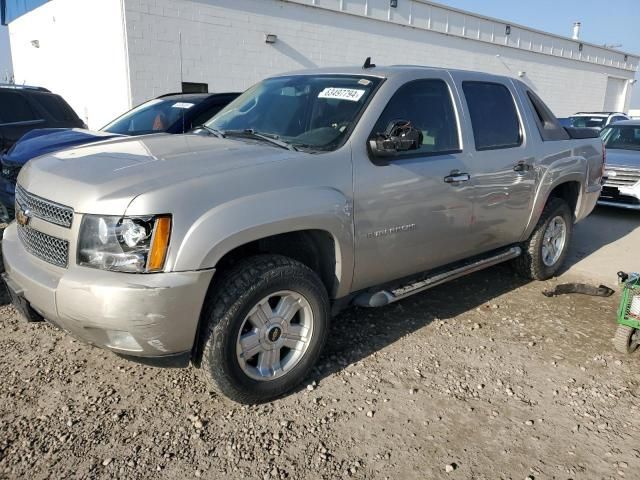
(170, 113)
(24, 108)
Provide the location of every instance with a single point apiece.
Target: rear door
(16, 117)
(502, 162)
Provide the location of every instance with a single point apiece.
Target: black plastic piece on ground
(601, 291)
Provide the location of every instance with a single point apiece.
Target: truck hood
(623, 158)
(104, 178)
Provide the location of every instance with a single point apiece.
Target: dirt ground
(482, 378)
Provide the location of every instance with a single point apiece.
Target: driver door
(409, 214)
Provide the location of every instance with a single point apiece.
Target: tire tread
(222, 304)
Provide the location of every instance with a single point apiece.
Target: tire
(235, 310)
(627, 339)
(534, 263)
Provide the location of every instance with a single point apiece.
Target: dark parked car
(170, 113)
(24, 108)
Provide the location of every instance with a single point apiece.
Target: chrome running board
(387, 296)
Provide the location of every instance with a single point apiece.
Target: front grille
(50, 249)
(45, 209)
(624, 177)
(10, 173)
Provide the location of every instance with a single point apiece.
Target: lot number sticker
(182, 105)
(351, 94)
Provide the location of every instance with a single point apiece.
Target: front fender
(249, 218)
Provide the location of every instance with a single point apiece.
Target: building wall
(81, 55)
(6, 65)
(222, 43)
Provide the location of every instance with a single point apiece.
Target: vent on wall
(192, 87)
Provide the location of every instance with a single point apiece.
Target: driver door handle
(457, 177)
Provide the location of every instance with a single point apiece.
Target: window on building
(191, 87)
(548, 125)
(493, 115)
(15, 108)
(428, 106)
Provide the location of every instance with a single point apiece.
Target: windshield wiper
(212, 131)
(250, 133)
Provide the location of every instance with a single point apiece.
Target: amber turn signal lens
(159, 244)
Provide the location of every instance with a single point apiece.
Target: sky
(614, 22)
(616, 25)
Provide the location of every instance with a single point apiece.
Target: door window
(493, 115)
(428, 106)
(14, 108)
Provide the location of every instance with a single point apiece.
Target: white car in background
(596, 120)
(622, 175)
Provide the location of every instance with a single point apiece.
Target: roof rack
(598, 113)
(24, 87)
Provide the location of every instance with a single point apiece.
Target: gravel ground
(481, 378)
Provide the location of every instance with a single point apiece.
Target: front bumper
(621, 197)
(141, 315)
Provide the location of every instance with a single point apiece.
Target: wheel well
(313, 248)
(569, 192)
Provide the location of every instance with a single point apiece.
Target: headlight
(129, 244)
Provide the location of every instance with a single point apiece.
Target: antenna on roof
(368, 64)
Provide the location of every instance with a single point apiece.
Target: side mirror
(399, 136)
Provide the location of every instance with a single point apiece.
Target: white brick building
(104, 56)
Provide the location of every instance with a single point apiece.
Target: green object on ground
(625, 314)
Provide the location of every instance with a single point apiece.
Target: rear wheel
(627, 339)
(266, 325)
(546, 249)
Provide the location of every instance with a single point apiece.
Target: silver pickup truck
(230, 248)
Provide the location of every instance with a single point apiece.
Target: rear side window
(207, 114)
(548, 125)
(428, 106)
(57, 108)
(15, 108)
(493, 115)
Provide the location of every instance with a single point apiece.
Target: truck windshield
(587, 122)
(154, 116)
(307, 112)
(623, 137)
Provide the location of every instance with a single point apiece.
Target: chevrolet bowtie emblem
(22, 216)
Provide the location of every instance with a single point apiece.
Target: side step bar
(385, 297)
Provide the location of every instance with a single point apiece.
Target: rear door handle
(522, 166)
(457, 177)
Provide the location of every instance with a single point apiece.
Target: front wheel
(266, 325)
(546, 249)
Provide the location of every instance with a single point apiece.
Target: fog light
(122, 341)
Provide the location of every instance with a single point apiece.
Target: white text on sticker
(351, 94)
